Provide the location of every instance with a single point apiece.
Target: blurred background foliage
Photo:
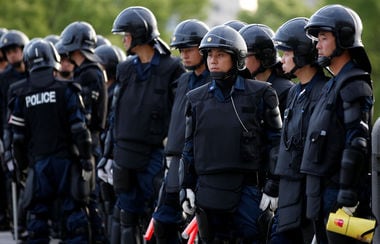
(39, 18)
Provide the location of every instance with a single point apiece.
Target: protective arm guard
(273, 117)
(186, 171)
(274, 123)
(350, 171)
(272, 183)
(272, 112)
(20, 150)
(82, 139)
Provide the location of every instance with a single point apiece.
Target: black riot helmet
(110, 57)
(79, 35)
(188, 33)
(139, 22)
(258, 38)
(228, 39)
(291, 36)
(101, 40)
(52, 38)
(236, 24)
(346, 26)
(39, 54)
(13, 38)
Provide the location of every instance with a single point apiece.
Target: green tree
(39, 18)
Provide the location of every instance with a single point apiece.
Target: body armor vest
(296, 120)
(218, 132)
(325, 139)
(45, 111)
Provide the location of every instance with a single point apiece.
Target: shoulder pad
(198, 92)
(355, 89)
(270, 98)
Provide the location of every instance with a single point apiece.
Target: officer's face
(127, 40)
(14, 54)
(326, 43)
(190, 56)
(252, 63)
(287, 61)
(218, 60)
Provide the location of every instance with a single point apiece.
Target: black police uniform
(168, 210)
(143, 102)
(301, 103)
(227, 160)
(45, 111)
(334, 140)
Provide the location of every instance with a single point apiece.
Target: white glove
(188, 204)
(350, 210)
(268, 201)
(109, 170)
(105, 173)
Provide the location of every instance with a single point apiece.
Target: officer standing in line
(110, 57)
(4, 215)
(168, 217)
(263, 62)
(46, 103)
(143, 104)
(298, 59)
(78, 40)
(11, 45)
(232, 131)
(337, 148)
(3, 59)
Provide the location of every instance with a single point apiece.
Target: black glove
(271, 188)
(347, 198)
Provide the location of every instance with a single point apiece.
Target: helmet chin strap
(324, 61)
(220, 76)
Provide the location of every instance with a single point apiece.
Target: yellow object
(342, 223)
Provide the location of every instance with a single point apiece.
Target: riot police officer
(11, 45)
(143, 103)
(263, 62)
(78, 40)
(3, 60)
(298, 59)
(232, 131)
(110, 57)
(45, 103)
(168, 217)
(337, 146)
